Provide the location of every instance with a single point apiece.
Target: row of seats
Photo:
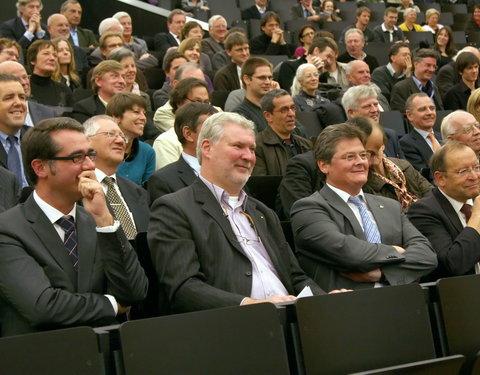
(419, 329)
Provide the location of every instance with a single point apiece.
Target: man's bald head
(16, 69)
(58, 26)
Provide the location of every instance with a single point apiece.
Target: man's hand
(408, 65)
(275, 85)
(123, 309)
(364, 277)
(273, 299)
(317, 61)
(474, 221)
(93, 199)
(34, 23)
(399, 249)
(335, 291)
(277, 36)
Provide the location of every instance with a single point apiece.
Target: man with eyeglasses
(129, 201)
(449, 216)
(462, 126)
(277, 143)
(60, 264)
(348, 239)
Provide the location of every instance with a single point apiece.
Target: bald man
(36, 112)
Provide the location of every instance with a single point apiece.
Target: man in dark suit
(257, 10)
(80, 37)
(348, 239)
(424, 66)
(422, 141)
(36, 112)
(450, 215)
(214, 219)
(228, 78)
(27, 27)
(107, 80)
(8, 189)
(306, 10)
(217, 28)
(189, 119)
(109, 142)
(163, 41)
(60, 263)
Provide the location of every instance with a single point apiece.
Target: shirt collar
(393, 72)
(51, 212)
(222, 196)
(192, 161)
(457, 206)
(101, 175)
(344, 195)
(423, 133)
(390, 31)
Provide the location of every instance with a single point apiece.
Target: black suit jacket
(297, 11)
(86, 108)
(200, 263)
(226, 78)
(138, 201)
(457, 247)
(162, 42)
(403, 89)
(253, 13)
(170, 178)
(14, 29)
(8, 189)
(416, 149)
(40, 287)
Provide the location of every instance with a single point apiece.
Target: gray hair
(356, 93)
(471, 49)
(447, 123)
(65, 4)
(185, 68)
(92, 125)
(354, 30)
(407, 11)
(267, 101)
(296, 86)
(118, 54)
(213, 128)
(22, 3)
(119, 15)
(214, 19)
(107, 23)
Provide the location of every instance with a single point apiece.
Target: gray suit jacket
(330, 240)
(198, 259)
(39, 112)
(210, 46)
(41, 289)
(8, 189)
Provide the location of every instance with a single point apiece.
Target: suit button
(248, 273)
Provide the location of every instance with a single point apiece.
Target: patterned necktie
(467, 211)
(120, 209)
(70, 239)
(369, 227)
(13, 159)
(435, 144)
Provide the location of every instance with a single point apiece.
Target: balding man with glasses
(346, 238)
(62, 265)
(449, 216)
(462, 126)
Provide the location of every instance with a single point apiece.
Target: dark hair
(7, 43)
(37, 142)
(267, 101)
(173, 13)
(252, 63)
(122, 102)
(361, 10)
(182, 89)
(235, 39)
(395, 49)
(409, 102)
(188, 115)
(169, 57)
(423, 53)
(450, 48)
(35, 48)
(322, 44)
(390, 10)
(187, 27)
(464, 60)
(269, 16)
(326, 144)
(366, 124)
(303, 28)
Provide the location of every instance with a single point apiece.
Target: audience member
(355, 43)
(473, 104)
(277, 142)
(424, 66)
(79, 36)
(406, 4)
(191, 48)
(129, 202)
(272, 40)
(54, 231)
(28, 26)
(467, 66)
(65, 71)
(170, 65)
(305, 92)
(362, 15)
(181, 173)
(398, 68)
(387, 32)
(463, 127)
(10, 50)
(226, 154)
(422, 141)
(128, 37)
(330, 14)
(217, 28)
(305, 36)
(348, 239)
(129, 111)
(409, 18)
(445, 46)
(307, 11)
(449, 217)
(193, 5)
(163, 41)
(473, 24)
(256, 11)
(432, 16)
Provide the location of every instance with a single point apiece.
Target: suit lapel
(50, 239)
(185, 172)
(448, 210)
(422, 145)
(130, 199)
(86, 249)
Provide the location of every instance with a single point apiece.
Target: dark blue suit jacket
(14, 29)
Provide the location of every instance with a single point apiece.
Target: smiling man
(462, 126)
(57, 276)
(214, 219)
(348, 239)
(450, 215)
(424, 67)
(277, 143)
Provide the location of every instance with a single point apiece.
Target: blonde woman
(65, 71)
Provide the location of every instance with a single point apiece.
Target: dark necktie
(467, 211)
(120, 209)
(369, 227)
(13, 159)
(70, 239)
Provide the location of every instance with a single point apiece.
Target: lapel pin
(381, 206)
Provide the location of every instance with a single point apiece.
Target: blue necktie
(369, 227)
(70, 239)
(13, 159)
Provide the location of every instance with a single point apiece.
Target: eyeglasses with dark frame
(77, 158)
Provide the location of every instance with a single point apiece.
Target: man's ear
(39, 167)
(323, 166)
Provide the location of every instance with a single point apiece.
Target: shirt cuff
(113, 301)
(40, 34)
(109, 229)
(28, 35)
